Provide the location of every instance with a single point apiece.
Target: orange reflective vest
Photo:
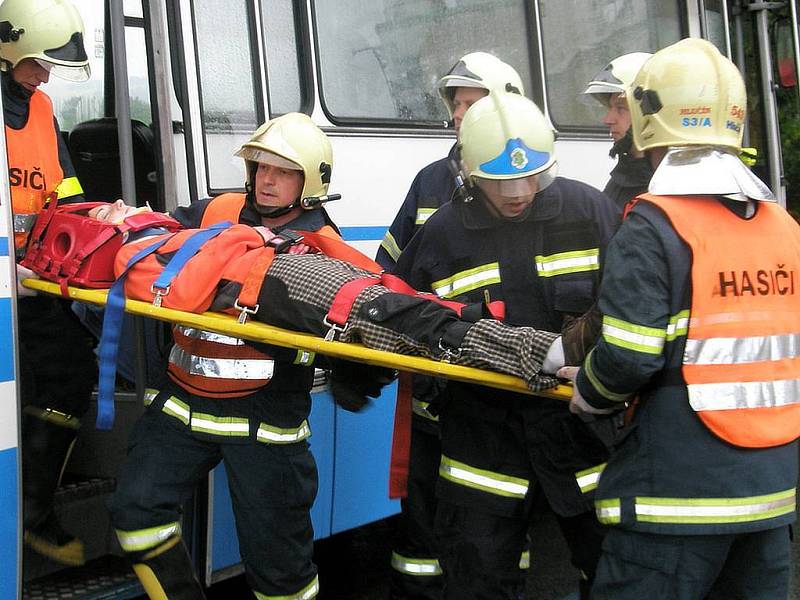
(741, 362)
(34, 170)
(225, 207)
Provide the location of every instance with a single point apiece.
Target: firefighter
(57, 367)
(700, 323)
(516, 233)
(469, 80)
(226, 400)
(632, 173)
(416, 573)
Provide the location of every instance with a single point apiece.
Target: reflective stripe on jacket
(215, 365)
(742, 358)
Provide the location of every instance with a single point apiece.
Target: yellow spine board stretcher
(260, 332)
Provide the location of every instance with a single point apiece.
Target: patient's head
(114, 212)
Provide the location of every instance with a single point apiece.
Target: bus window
(75, 102)
(228, 92)
(381, 60)
(602, 31)
(138, 84)
(284, 83)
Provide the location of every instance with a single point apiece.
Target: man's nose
(270, 177)
(42, 74)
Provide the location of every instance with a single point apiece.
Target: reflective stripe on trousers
(230, 426)
(145, 539)
(308, 592)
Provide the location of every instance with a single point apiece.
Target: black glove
(352, 383)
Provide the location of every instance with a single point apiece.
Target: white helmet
(504, 137)
(616, 76)
(48, 31)
(688, 94)
(292, 141)
(479, 70)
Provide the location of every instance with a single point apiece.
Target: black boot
(166, 572)
(47, 440)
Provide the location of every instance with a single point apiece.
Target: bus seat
(94, 148)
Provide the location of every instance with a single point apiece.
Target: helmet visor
(68, 61)
(69, 73)
(454, 81)
(264, 156)
(509, 188)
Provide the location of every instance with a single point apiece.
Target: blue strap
(115, 309)
(189, 248)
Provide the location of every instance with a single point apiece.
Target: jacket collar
(16, 101)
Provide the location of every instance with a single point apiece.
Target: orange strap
(629, 207)
(225, 207)
(247, 301)
(401, 439)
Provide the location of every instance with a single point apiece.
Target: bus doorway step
(80, 508)
(101, 579)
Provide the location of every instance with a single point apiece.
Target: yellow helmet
(479, 70)
(616, 76)
(505, 136)
(48, 31)
(292, 141)
(688, 94)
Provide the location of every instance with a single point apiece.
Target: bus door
(119, 45)
(10, 499)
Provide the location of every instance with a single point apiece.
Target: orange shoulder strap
(225, 207)
(327, 241)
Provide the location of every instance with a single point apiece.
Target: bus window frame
(179, 66)
(304, 49)
(258, 87)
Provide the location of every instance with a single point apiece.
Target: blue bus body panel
(363, 452)
(9, 457)
(6, 344)
(9, 523)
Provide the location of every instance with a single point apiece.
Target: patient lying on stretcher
(305, 285)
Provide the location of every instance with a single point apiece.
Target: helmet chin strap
(623, 145)
(272, 212)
